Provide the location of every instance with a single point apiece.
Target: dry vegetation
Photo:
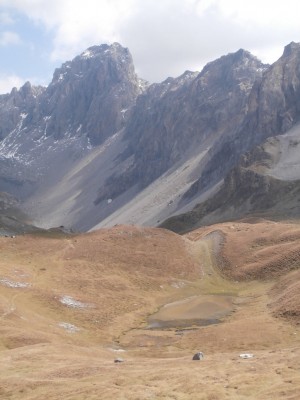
(81, 301)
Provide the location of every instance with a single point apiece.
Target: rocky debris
(198, 356)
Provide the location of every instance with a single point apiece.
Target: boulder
(198, 356)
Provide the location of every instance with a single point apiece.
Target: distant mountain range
(100, 146)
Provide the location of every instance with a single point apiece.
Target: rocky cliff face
(179, 115)
(100, 142)
(14, 107)
(43, 129)
(91, 94)
(273, 107)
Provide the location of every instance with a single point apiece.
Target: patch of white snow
(12, 284)
(69, 327)
(70, 302)
(87, 54)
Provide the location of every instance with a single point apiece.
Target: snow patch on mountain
(70, 302)
(13, 284)
(69, 327)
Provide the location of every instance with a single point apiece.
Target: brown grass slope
(115, 273)
(71, 304)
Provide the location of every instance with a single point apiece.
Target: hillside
(265, 182)
(71, 304)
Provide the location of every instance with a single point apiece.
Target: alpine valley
(142, 224)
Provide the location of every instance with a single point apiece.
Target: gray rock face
(91, 94)
(273, 107)
(180, 114)
(84, 147)
(15, 107)
(44, 130)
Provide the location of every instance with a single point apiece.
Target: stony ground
(71, 305)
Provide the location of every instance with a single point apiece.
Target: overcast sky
(165, 37)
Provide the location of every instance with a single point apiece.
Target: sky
(165, 37)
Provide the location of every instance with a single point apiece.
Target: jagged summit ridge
(183, 114)
(85, 104)
(85, 96)
(91, 145)
(98, 88)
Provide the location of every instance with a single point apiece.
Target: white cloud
(7, 82)
(261, 12)
(47, 12)
(6, 19)
(177, 35)
(97, 22)
(166, 36)
(77, 24)
(9, 38)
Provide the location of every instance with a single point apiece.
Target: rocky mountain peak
(28, 90)
(113, 59)
(181, 114)
(291, 48)
(276, 104)
(91, 94)
(239, 67)
(272, 108)
(15, 106)
(105, 51)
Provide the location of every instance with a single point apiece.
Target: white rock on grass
(246, 355)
